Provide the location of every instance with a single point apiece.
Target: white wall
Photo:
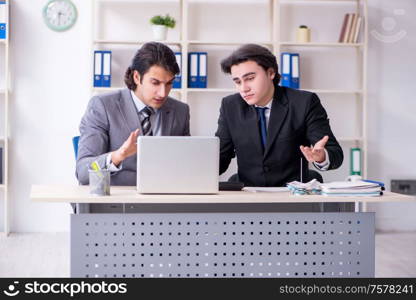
(51, 87)
(50, 90)
(392, 121)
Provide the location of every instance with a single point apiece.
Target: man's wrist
(323, 166)
(117, 157)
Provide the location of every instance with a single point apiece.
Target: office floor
(47, 255)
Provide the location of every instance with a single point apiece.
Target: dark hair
(150, 54)
(259, 54)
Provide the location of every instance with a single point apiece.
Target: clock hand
(59, 17)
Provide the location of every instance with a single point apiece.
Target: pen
(96, 167)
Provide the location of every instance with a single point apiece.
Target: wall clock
(60, 15)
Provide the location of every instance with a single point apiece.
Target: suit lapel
(167, 116)
(129, 111)
(277, 117)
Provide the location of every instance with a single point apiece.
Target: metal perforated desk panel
(223, 245)
(232, 234)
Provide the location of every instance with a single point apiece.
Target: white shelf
(317, 1)
(106, 89)
(2, 91)
(111, 89)
(223, 43)
(132, 42)
(233, 90)
(3, 42)
(230, 90)
(318, 91)
(207, 90)
(2, 186)
(350, 139)
(345, 45)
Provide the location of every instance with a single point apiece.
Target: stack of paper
(351, 188)
(312, 187)
(256, 189)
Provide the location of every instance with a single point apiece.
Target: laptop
(177, 165)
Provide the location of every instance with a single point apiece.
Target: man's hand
(128, 148)
(315, 153)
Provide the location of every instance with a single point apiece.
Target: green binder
(355, 161)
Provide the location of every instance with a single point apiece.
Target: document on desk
(255, 189)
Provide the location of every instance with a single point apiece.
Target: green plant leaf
(167, 21)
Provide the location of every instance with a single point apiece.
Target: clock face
(60, 15)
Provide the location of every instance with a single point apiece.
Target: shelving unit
(357, 95)
(4, 139)
(273, 35)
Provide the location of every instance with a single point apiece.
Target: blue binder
(177, 83)
(3, 31)
(106, 73)
(193, 70)
(202, 69)
(98, 69)
(3, 24)
(285, 63)
(294, 64)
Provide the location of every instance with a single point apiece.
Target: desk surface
(128, 194)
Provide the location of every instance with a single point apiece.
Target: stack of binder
(352, 188)
(102, 68)
(197, 69)
(3, 19)
(289, 64)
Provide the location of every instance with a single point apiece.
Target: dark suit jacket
(296, 118)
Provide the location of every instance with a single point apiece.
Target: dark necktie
(146, 126)
(262, 124)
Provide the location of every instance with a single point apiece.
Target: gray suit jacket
(108, 122)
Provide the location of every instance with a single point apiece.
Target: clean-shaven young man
(269, 128)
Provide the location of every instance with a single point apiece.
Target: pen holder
(99, 182)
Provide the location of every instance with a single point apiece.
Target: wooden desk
(128, 194)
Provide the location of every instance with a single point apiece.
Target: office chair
(75, 141)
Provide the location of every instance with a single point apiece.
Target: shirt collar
(268, 105)
(139, 103)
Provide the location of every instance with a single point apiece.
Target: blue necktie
(262, 124)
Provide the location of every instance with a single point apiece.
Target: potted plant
(160, 25)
